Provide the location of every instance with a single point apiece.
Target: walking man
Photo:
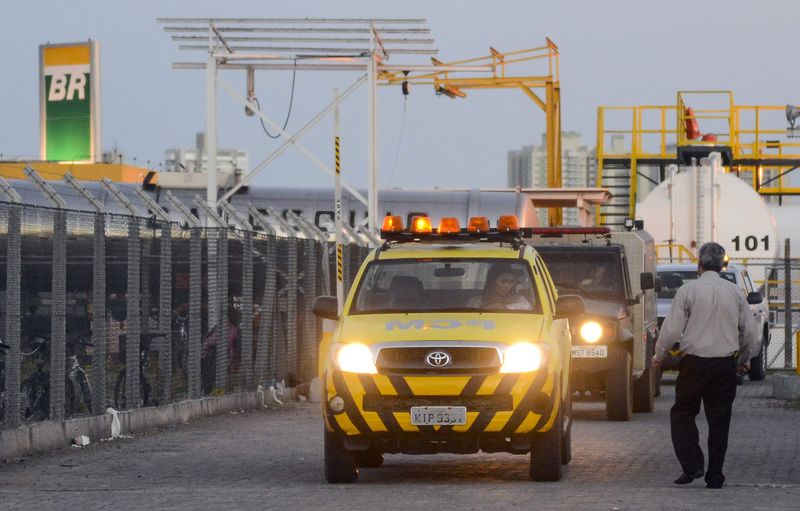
(711, 319)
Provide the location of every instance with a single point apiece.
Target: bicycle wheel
(36, 390)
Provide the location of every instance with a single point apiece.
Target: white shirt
(711, 318)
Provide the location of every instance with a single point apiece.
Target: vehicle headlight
(355, 358)
(522, 357)
(591, 331)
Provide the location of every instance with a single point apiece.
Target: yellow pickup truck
(450, 340)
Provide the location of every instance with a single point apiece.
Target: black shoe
(715, 482)
(686, 478)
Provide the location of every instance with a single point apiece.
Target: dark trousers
(712, 381)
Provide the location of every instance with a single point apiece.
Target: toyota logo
(438, 359)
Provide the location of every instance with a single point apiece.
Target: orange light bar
(478, 224)
(421, 225)
(392, 223)
(507, 223)
(449, 225)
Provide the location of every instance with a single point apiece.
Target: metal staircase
(616, 177)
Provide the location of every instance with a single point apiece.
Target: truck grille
(463, 360)
(491, 403)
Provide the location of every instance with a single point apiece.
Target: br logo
(66, 86)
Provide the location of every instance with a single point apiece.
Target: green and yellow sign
(69, 99)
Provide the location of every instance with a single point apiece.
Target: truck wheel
(644, 393)
(758, 364)
(370, 458)
(619, 380)
(566, 442)
(546, 451)
(340, 465)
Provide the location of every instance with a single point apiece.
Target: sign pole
(338, 206)
(211, 127)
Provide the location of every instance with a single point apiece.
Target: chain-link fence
(101, 310)
(779, 282)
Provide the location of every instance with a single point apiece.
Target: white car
(672, 276)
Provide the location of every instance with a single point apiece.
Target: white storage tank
(703, 203)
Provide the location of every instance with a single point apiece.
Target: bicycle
(36, 387)
(75, 374)
(145, 389)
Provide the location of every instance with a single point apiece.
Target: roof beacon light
(421, 225)
(507, 223)
(392, 223)
(478, 224)
(449, 225)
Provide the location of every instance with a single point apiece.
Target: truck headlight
(355, 358)
(591, 331)
(522, 357)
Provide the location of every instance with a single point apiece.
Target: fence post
(267, 351)
(165, 310)
(246, 352)
(133, 316)
(99, 316)
(13, 314)
(195, 311)
(787, 305)
(292, 296)
(58, 315)
(222, 309)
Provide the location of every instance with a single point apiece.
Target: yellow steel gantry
(454, 83)
(753, 140)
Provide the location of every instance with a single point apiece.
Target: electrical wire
(399, 143)
(288, 113)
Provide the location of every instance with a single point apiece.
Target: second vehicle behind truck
(614, 340)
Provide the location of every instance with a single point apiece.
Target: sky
(615, 52)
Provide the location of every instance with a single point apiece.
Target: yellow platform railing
(756, 135)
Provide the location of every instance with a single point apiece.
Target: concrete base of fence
(786, 386)
(52, 435)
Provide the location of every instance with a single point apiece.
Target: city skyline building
(527, 168)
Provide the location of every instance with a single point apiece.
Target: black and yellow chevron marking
(339, 263)
(338, 159)
(487, 398)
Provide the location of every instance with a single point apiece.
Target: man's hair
(712, 256)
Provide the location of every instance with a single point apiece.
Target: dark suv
(615, 339)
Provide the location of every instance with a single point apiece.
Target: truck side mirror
(569, 306)
(754, 298)
(326, 307)
(647, 281)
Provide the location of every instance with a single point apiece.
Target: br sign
(69, 102)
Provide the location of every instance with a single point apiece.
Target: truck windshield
(671, 280)
(455, 285)
(588, 274)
